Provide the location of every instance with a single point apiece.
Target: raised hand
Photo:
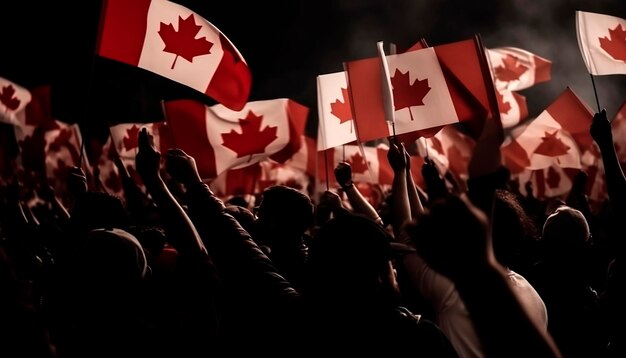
(181, 167)
(343, 174)
(397, 156)
(601, 130)
(148, 159)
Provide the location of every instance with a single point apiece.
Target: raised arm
(615, 181)
(415, 203)
(343, 174)
(179, 228)
(453, 238)
(401, 207)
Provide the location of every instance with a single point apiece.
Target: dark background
(287, 44)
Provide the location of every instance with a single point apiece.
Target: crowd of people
(435, 272)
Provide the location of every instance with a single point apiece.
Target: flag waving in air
(221, 139)
(516, 69)
(175, 42)
(336, 124)
(602, 42)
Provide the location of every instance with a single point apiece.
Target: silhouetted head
(566, 233)
(111, 264)
(285, 210)
(350, 259)
(98, 210)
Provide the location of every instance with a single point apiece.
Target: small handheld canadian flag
(602, 42)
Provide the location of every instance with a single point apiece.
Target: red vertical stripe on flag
(296, 116)
(364, 81)
(385, 173)
(187, 122)
(122, 29)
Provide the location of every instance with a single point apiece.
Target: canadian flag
(551, 138)
(221, 139)
(601, 42)
(336, 124)
(274, 173)
(430, 87)
(237, 182)
(549, 182)
(62, 151)
(305, 159)
(512, 106)
(125, 138)
(516, 69)
(369, 164)
(172, 41)
(13, 101)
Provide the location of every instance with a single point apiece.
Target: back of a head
(286, 208)
(566, 232)
(349, 252)
(111, 260)
(98, 210)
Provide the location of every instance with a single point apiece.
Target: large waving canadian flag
(601, 42)
(336, 124)
(172, 41)
(430, 87)
(220, 139)
(13, 101)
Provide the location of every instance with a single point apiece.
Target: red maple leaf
(357, 163)
(7, 97)
(503, 106)
(252, 140)
(130, 139)
(616, 45)
(510, 70)
(340, 109)
(183, 42)
(405, 94)
(552, 146)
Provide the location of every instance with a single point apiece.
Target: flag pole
(595, 91)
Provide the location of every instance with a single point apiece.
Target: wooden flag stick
(595, 91)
